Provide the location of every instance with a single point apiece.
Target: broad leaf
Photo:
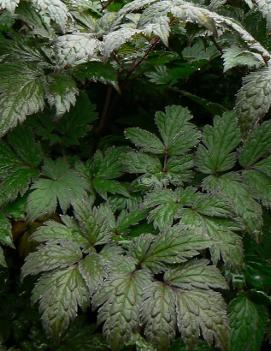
(239, 197)
(216, 154)
(253, 99)
(177, 133)
(56, 10)
(53, 231)
(62, 93)
(93, 269)
(145, 140)
(203, 313)
(225, 243)
(260, 186)
(26, 99)
(158, 314)
(119, 300)
(60, 294)
(102, 170)
(96, 223)
(62, 185)
(77, 48)
(50, 256)
(196, 274)
(138, 162)
(237, 56)
(176, 244)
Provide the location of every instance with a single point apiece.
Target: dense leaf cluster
(135, 187)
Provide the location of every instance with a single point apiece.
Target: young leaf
(114, 40)
(38, 25)
(56, 10)
(264, 7)
(253, 99)
(160, 27)
(77, 48)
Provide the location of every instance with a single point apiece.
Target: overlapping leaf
(219, 141)
(103, 169)
(60, 185)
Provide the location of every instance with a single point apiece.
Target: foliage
(135, 175)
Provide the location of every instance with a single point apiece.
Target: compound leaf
(62, 185)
